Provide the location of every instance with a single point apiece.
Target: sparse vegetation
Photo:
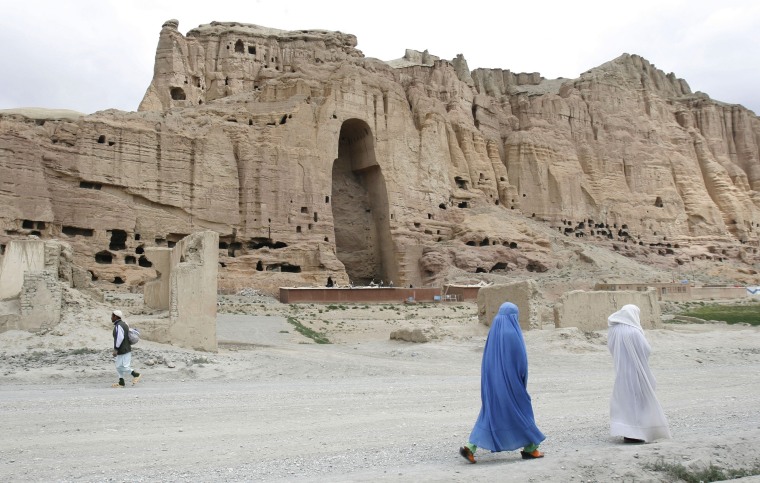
(711, 473)
(731, 314)
(317, 337)
(84, 350)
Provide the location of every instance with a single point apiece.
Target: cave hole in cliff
(223, 245)
(481, 270)
(284, 267)
(239, 46)
(535, 266)
(93, 277)
(171, 244)
(130, 260)
(118, 240)
(27, 224)
(234, 246)
(118, 280)
(442, 206)
(140, 249)
(484, 242)
(500, 266)
(90, 186)
(102, 139)
(252, 50)
(361, 217)
(177, 93)
(257, 243)
(144, 262)
(460, 182)
(658, 202)
(259, 266)
(463, 204)
(104, 257)
(2, 249)
(316, 217)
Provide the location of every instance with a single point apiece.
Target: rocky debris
(411, 335)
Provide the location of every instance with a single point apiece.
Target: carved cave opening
(104, 257)
(118, 240)
(360, 207)
(177, 93)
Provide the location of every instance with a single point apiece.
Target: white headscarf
(628, 315)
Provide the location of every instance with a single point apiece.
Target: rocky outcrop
(310, 160)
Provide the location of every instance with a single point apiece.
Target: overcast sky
(89, 55)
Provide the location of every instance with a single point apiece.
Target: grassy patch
(317, 337)
(84, 350)
(731, 314)
(702, 475)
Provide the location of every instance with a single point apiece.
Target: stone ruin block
(187, 288)
(523, 294)
(157, 292)
(40, 301)
(588, 311)
(30, 291)
(21, 256)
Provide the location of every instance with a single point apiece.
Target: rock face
(310, 160)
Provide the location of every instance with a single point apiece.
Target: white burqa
(634, 409)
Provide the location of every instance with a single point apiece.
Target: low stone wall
(364, 294)
(461, 292)
(707, 293)
(523, 294)
(588, 311)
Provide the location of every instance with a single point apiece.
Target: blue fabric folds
(506, 418)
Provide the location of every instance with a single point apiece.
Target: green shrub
(307, 332)
(731, 314)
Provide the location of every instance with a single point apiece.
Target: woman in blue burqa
(506, 418)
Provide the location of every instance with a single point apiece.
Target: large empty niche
(360, 207)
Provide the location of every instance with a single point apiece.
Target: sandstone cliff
(311, 160)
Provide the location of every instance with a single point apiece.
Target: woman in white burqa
(635, 412)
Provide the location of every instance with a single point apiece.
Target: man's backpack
(134, 336)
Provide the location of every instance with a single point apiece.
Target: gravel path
(280, 410)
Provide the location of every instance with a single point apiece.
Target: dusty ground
(271, 405)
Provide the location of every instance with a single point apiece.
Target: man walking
(122, 350)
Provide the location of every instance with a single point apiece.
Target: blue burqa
(506, 418)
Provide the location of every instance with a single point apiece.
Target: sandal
(467, 454)
(532, 455)
(633, 440)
